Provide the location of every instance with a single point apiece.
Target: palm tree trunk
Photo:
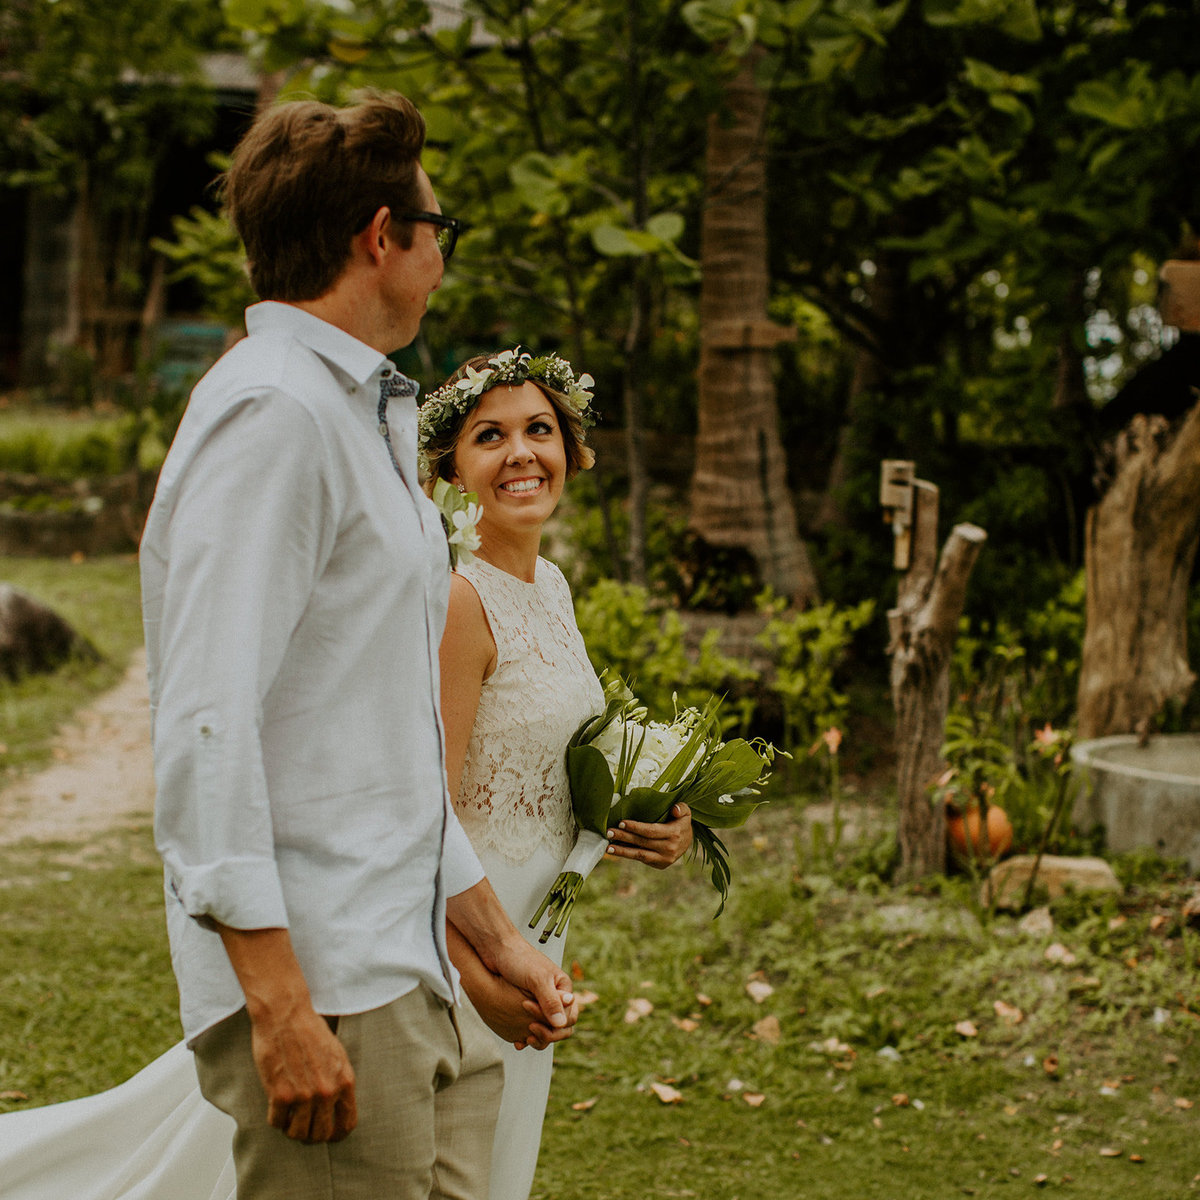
(739, 493)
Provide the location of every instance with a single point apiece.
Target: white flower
(463, 532)
(475, 381)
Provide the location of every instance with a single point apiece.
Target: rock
(1037, 922)
(1055, 876)
(34, 638)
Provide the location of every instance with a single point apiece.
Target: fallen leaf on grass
(584, 998)
(576, 970)
(758, 990)
(1182, 1102)
(754, 1099)
(1056, 952)
(830, 1045)
(639, 1007)
(900, 1100)
(1041, 1180)
(768, 1030)
(13, 1095)
(1050, 1064)
(686, 1024)
(1158, 921)
(666, 1093)
(1010, 1014)
(1110, 1152)
(701, 998)
(584, 1105)
(1136, 1158)
(966, 1029)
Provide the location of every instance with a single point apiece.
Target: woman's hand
(657, 845)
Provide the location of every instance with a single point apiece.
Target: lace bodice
(514, 795)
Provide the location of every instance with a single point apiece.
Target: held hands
(547, 997)
(657, 845)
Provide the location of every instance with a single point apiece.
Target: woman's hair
(439, 447)
(307, 177)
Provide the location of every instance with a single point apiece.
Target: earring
(461, 489)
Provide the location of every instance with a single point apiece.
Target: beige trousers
(427, 1082)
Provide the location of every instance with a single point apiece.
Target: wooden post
(923, 626)
(1140, 545)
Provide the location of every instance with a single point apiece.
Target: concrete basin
(1146, 797)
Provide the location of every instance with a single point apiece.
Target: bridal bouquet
(622, 765)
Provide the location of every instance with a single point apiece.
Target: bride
(516, 683)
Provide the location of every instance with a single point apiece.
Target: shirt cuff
(242, 894)
(460, 863)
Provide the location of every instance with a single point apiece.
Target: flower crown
(451, 401)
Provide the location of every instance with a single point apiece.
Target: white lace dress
(156, 1138)
(515, 804)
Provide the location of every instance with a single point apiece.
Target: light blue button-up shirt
(294, 590)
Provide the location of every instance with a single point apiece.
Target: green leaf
(666, 226)
(614, 242)
(591, 787)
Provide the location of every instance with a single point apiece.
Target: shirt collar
(358, 360)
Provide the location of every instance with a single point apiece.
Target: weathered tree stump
(1140, 547)
(34, 638)
(923, 626)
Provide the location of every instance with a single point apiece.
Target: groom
(294, 582)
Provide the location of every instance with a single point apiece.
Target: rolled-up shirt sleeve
(241, 539)
(461, 868)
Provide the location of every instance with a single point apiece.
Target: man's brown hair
(307, 177)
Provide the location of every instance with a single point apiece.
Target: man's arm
(304, 1068)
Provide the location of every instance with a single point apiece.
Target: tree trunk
(1139, 550)
(739, 492)
(923, 627)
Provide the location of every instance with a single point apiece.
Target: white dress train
(155, 1137)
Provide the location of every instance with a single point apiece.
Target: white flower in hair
(475, 381)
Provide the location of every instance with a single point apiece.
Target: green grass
(86, 995)
(100, 598)
(871, 969)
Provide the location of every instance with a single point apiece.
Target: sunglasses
(447, 229)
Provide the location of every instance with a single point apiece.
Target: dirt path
(102, 777)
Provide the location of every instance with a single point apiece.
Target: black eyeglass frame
(451, 224)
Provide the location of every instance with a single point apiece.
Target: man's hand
(304, 1068)
(308, 1078)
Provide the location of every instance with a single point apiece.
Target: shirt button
(383, 428)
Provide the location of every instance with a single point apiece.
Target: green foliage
(67, 446)
(627, 634)
(1013, 699)
(206, 251)
(807, 648)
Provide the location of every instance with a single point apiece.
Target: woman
(516, 683)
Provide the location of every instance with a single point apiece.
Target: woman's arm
(467, 657)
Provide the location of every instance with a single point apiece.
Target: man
(294, 583)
